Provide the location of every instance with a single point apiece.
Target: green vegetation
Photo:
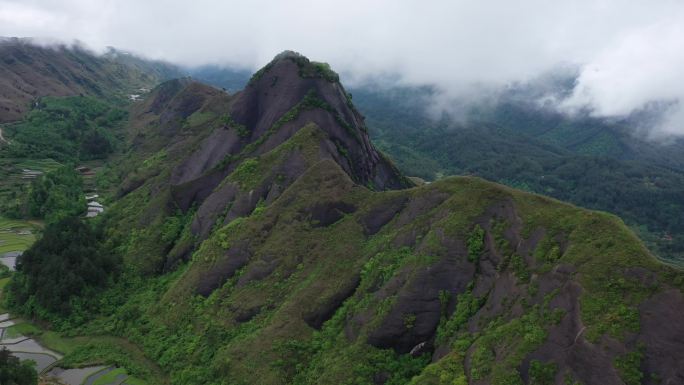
(14, 372)
(330, 283)
(519, 267)
(16, 235)
(475, 244)
(21, 329)
(629, 366)
(466, 306)
(242, 131)
(111, 378)
(317, 70)
(541, 373)
(447, 371)
(245, 173)
(307, 68)
(588, 162)
(512, 341)
(60, 275)
(14, 183)
(200, 117)
(57, 195)
(65, 129)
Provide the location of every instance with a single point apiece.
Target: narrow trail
(2, 138)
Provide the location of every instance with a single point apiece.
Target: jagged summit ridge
(307, 68)
(273, 107)
(231, 153)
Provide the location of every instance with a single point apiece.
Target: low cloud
(642, 70)
(629, 54)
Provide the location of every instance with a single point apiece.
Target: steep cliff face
(227, 154)
(283, 97)
(283, 248)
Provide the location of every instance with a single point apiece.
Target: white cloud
(644, 66)
(630, 51)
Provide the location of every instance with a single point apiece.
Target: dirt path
(2, 138)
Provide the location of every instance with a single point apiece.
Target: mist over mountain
(628, 55)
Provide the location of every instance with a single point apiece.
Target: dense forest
(65, 129)
(585, 161)
(61, 273)
(39, 159)
(57, 195)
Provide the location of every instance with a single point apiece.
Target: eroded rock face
(380, 215)
(325, 214)
(235, 258)
(662, 333)
(264, 102)
(317, 316)
(417, 309)
(255, 125)
(212, 151)
(565, 345)
(212, 207)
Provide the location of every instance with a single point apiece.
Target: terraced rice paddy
(113, 376)
(16, 336)
(26, 348)
(74, 376)
(15, 236)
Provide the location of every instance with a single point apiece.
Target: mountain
(261, 237)
(512, 139)
(233, 153)
(29, 71)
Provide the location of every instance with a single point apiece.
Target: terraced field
(16, 235)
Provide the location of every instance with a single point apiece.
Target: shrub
(476, 244)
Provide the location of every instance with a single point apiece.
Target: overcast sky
(631, 51)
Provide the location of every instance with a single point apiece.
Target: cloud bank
(630, 54)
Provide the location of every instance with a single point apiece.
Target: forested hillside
(585, 161)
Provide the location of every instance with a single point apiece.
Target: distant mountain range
(29, 71)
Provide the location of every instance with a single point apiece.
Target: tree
(62, 271)
(15, 372)
(56, 195)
